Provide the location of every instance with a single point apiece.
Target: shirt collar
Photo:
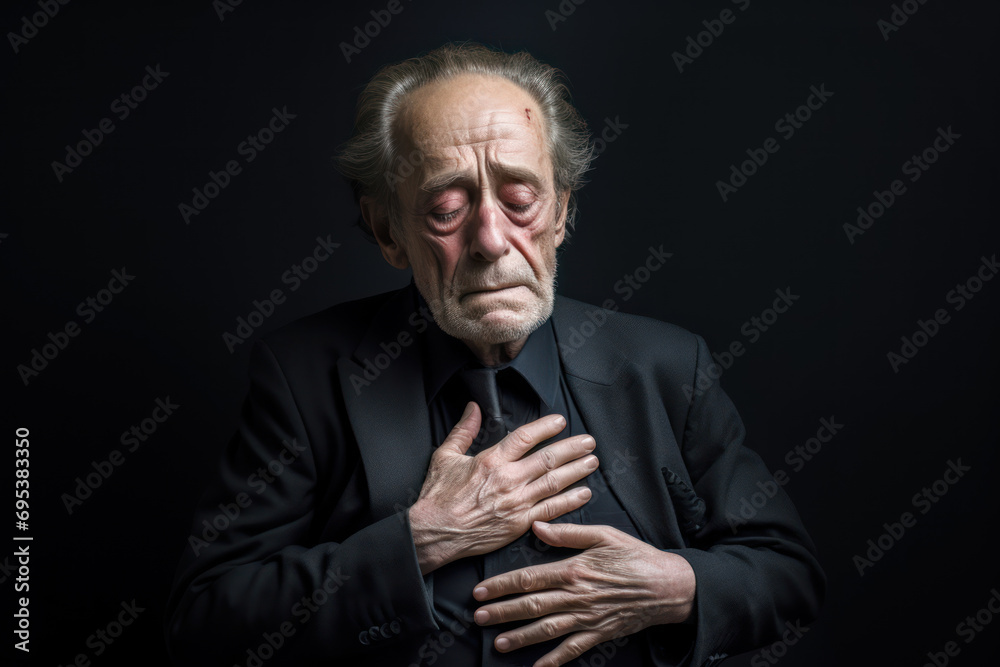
(537, 362)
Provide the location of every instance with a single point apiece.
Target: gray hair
(371, 160)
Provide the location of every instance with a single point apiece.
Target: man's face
(479, 216)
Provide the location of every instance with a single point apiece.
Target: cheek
(439, 255)
(536, 242)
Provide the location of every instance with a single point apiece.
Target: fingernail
(482, 616)
(468, 411)
(592, 463)
(479, 593)
(558, 421)
(583, 493)
(503, 643)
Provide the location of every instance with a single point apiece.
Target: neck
(494, 354)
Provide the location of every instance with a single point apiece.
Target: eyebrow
(444, 181)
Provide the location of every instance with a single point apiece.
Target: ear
(378, 219)
(561, 217)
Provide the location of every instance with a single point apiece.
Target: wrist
(433, 548)
(677, 588)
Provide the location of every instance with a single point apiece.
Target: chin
(501, 323)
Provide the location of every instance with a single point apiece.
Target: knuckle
(549, 485)
(549, 627)
(526, 579)
(575, 571)
(548, 459)
(533, 607)
(520, 437)
(575, 647)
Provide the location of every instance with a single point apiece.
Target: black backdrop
(675, 133)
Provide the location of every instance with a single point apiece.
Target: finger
(571, 648)
(461, 437)
(559, 504)
(552, 456)
(526, 607)
(572, 535)
(541, 630)
(518, 442)
(558, 479)
(525, 580)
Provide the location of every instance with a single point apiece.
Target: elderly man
(445, 474)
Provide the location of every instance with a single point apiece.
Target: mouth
(495, 290)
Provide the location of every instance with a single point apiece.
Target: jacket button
(396, 627)
(384, 631)
(363, 638)
(374, 634)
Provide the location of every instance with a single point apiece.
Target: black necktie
(481, 385)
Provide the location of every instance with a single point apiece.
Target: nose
(489, 232)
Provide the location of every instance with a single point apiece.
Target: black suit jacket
(333, 446)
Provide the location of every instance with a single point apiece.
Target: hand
(618, 586)
(472, 505)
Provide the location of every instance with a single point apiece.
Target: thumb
(572, 535)
(461, 437)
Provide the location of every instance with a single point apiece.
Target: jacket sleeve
(250, 583)
(758, 578)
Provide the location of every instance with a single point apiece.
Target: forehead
(453, 121)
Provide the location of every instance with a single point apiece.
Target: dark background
(654, 184)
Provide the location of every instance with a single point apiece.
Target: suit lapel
(634, 437)
(388, 411)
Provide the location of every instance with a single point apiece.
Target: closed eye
(447, 217)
